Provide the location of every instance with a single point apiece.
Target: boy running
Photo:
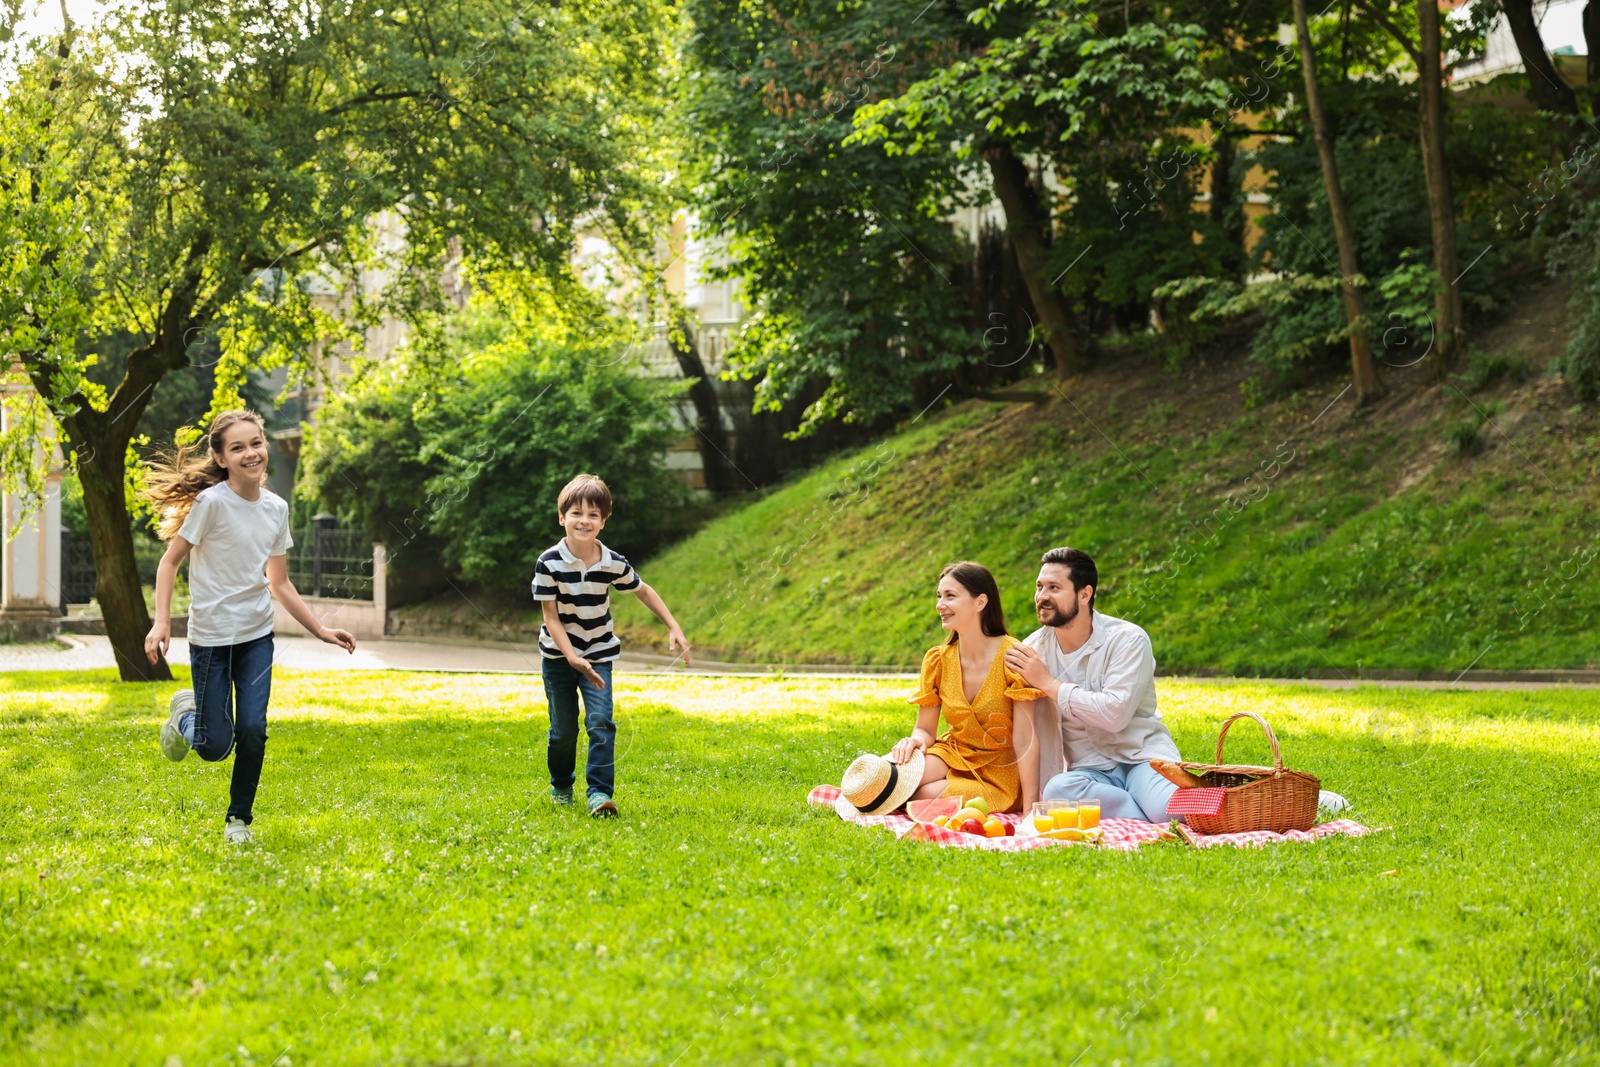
(573, 580)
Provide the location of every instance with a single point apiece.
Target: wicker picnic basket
(1258, 798)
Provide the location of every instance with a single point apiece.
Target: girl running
(217, 513)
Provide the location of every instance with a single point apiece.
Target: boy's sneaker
(173, 744)
(237, 832)
(561, 799)
(602, 807)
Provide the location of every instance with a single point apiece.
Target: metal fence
(326, 561)
(77, 569)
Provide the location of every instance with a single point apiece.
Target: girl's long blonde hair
(175, 478)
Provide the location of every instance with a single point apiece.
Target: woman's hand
(156, 641)
(905, 748)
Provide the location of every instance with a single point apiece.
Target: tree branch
(369, 98)
(255, 263)
(1394, 31)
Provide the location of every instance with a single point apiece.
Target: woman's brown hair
(977, 580)
(175, 478)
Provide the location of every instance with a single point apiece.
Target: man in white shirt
(1099, 712)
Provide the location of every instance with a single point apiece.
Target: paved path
(90, 652)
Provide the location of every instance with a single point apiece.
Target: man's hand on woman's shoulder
(1027, 662)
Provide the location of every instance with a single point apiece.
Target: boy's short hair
(585, 489)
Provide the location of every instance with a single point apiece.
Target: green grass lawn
(413, 899)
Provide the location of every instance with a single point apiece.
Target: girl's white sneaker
(237, 832)
(173, 744)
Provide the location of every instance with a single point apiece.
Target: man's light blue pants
(1127, 791)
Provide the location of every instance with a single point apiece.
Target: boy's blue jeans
(562, 684)
(220, 673)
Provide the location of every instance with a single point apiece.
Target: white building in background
(31, 595)
(1561, 27)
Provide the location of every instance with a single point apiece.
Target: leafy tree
(471, 456)
(184, 169)
(1092, 91)
(843, 256)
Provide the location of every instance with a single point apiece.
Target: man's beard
(1055, 618)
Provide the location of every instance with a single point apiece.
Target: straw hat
(874, 786)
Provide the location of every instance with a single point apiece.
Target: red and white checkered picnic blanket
(1124, 835)
(1257, 838)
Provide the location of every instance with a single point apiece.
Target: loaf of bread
(1175, 773)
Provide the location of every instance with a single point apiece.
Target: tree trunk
(1222, 178)
(1591, 37)
(710, 438)
(1026, 226)
(117, 587)
(1441, 198)
(1225, 196)
(1545, 87)
(1364, 371)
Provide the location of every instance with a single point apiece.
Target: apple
(1011, 831)
(972, 826)
(980, 804)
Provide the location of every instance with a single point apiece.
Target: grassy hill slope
(1297, 535)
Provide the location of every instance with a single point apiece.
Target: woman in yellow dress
(986, 750)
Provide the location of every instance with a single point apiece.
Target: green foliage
(73, 518)
(232, 168)
(1486, 368)
(471, 455)
(1096, 97)
(842, 255)
(1465, 436)
(1374, 126)
(1044, 78)
(410, 897)
(1575, 256)
(1462, 437)
(45, 233)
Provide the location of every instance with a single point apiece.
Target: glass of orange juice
(1088, 814)
(1043, 818)
(1066, 815)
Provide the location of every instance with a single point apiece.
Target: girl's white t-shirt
(232, 538)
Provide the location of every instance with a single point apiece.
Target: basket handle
(1272, 738)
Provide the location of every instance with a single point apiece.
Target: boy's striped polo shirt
(583, 599)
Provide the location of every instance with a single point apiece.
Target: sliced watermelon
(928, 810)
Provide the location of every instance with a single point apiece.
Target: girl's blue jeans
(231, 686)
(562, 684)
